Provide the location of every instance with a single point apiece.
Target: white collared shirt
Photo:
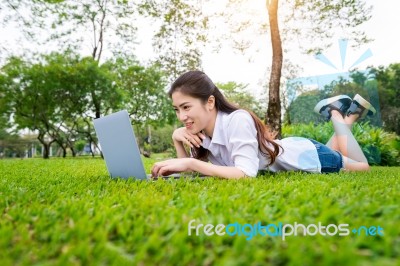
(234, 143)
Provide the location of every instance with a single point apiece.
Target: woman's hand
(172, 166)
(183, 135)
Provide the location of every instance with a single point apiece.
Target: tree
(104, 24)
(73, 25)
(181, 35)
(273, 116)
(237, 94)
(143, 91)
(301, 109)
(55, 96)
(49, 96)
(31, 99)
(4, 103)
(388, 79)
(315, 22)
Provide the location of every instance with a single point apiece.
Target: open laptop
(119, 146)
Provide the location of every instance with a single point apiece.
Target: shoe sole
(328, 101)
(364, 103)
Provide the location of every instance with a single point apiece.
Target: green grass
(69, 212)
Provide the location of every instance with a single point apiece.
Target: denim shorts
(331, 160)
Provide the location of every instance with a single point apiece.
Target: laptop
(119, 147)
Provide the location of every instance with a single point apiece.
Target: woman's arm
(180, 149)
(193, 165)
(229, 172)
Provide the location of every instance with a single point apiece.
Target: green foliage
(61, 95)
(179, 40)
(239, 95)
(106, 25)
(155, 139)
(380, 86)
(52, 96)
(144, 93)
(301, 109)
(320, 132)
(69, 212)
(321, 16)
(4, 103)
(161, 139)
(388, 79)
(80, 145)
(12, 146)
(309, 21)
(380, 147)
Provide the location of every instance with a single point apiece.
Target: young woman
(229, 142)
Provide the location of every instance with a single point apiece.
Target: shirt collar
(218, 136)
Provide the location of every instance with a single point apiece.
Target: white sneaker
(361, 107)
(340, 103)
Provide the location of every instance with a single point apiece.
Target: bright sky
(228, 65)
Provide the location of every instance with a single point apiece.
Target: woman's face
(193, 113)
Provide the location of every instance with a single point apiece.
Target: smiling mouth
(189, 125)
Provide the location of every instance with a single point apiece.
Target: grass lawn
(69, 212)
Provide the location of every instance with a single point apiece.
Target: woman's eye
(185, 107)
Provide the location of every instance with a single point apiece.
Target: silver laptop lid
(119, 146)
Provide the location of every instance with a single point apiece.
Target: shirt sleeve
(242, 141)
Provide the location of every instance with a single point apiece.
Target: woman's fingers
(192, 141)
(201, 136)
(162, 169)
(154, 170)
(171, 166)
(195, 140)
(187, 138)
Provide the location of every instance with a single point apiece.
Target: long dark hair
(198, 85)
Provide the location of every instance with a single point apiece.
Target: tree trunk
(273, 117)
(46, 150)
(46, 145)
(73, 151)
(64, 150)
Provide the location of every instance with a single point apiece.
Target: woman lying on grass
(238, 144)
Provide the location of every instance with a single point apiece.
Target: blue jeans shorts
(331, 160)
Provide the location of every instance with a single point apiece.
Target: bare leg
(332, 142)
(348, 121)
(344, 142)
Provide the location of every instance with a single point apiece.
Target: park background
(65, 63)
(127, 52)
